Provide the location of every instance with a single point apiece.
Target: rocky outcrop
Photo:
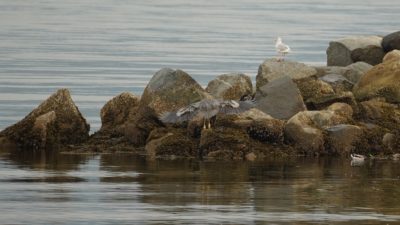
(352, 72)
(392, 55)
(391, 41)
(55, 122)
(305, 129)
(272, 69)
(118, 111)
(280, 104)
(230, 86)
(382, 80)
(352, 49)
(169, 90)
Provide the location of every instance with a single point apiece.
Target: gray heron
(281, 48)
(206, 109)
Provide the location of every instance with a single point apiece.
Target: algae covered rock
(169, 90)
(55, 122)
(280, 98)
(382, 80)
(343, 138)
(345, 51)
(118, 110)
(272, 69)
(381, 113)
(230, 86)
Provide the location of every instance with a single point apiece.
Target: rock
(382, 113)
(266, 130)
(280, 104)
(254, 114)
(117, 111)
(224, 143)
(340, 52)
(352, 72)
(321, 102)
(171, 142)
(272, 69)
(55, 122)
(382, 80)
(343, 138)
(305, 129)
(230, 86)
(341, 109)
(392, 55)
(338, 82)
(169, 90)
(391, 41)
(312, 88)
(388, 141)
(251, 156)
(371, 54)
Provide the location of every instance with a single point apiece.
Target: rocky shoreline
(349, 106)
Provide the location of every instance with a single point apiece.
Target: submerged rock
(272, 69)
(55, 122)
(280, 98)
(169, 90)
(382, 80)
(230, 86)
(348, 50)
(391, 41)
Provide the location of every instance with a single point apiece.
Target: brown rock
(343, 138)
(392, 55)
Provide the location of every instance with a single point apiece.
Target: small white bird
(281, 48)
(357, 160)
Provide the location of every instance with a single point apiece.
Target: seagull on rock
(281, 48)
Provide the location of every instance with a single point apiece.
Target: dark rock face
(382, 80)
(348, 50)
(277, 103)
(57, 121)
(169, 90)
(272, 69)
(391, 41)
(118, 110)
(230, 86)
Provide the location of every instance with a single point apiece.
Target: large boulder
(280, 98)
(272, 69)
(55, 122)
(230, 86)
(351, 49)
(352, 72)
(305, 129)
(392, 55)
(169, 90)
(118, 110)
(382, 80)
(391, 41)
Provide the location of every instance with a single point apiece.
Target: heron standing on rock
(281, 48)
(206, 109)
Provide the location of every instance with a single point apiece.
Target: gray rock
(280, 98)
(169, 90)
(230, 86)
(339, 52)
(338, 82)
(391, 41)
(272, 69)
(55, 122)
(343, 138)
(352, 72)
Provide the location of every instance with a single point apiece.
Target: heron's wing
(283, 48)
(181, 115)
(169, 117)
(236, 107)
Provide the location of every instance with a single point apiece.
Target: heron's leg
(209, 124)
(204, 123)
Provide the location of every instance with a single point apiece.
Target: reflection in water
(126, 189)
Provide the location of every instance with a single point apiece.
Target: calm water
(126, 189)
(101, 48)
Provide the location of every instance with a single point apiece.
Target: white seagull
(281, 48)
(357, 160)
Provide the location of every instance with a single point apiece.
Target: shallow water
(101, 48)
(128, 189)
